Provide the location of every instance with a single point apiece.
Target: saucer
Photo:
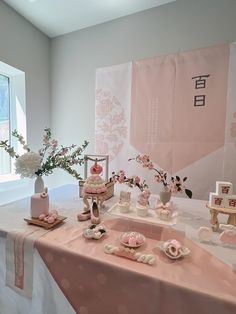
(183, 251)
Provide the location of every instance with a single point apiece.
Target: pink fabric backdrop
(155, 110)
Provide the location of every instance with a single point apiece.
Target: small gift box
(230, 202)
(224, 188)
(216, 200)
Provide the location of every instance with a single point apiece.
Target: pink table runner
(94, 282)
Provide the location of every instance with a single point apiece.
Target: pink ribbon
(160, 205)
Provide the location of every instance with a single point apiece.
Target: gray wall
(26, 48)
(178, 26)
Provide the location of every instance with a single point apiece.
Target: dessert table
(71, 274)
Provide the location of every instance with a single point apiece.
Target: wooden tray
(222, 210)
(45, 225)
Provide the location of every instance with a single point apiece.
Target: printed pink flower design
(111, 129)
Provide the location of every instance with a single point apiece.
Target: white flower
(27, 164)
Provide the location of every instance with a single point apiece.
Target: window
(5, 165)
(12, 114)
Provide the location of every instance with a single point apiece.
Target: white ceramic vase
(164, 196)
(39, 185)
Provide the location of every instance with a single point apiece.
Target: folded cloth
(20, 260)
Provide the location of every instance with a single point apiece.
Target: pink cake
(95, 184)
(39, 204)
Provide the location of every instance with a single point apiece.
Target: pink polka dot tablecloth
(98, 283)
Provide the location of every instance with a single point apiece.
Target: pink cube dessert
(39, 204)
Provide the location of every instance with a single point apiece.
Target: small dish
(132, 239)
(94, 232)
(179, 250)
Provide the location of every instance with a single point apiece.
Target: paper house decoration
(224, 188)
(230, 202)
(216, 200)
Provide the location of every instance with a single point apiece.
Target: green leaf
(184, 179)
(177, 178)
(189, 193)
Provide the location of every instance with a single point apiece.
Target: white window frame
(17, 112)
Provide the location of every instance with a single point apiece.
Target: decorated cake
(123, 207)
(95, 184)
(143, 203)
(39, 204)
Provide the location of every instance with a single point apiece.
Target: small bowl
(132, 234)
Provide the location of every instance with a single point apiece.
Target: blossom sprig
(48, 158)
(133, 181)
(20, 138)
(174, 184)
(9, 149)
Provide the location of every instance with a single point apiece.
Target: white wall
(178, 26)
(26, 48)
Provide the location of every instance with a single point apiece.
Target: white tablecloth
(47, 297)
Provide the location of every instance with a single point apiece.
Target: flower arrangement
(132, 181)
(173, 185)
(48, 158)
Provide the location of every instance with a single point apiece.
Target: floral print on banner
(233, 128)
(111, 124)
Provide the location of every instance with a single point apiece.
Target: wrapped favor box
(216, 200)
(224, 188)
(230, 202)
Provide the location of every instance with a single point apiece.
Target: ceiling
(58, 17)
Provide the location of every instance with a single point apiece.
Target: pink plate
(132, 239)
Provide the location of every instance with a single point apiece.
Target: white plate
(135, 234)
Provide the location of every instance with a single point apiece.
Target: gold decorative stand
(214, 211)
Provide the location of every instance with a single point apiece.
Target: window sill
(9, 178)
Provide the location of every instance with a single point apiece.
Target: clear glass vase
(39, 185)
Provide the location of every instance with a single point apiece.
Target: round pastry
(172, 248)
